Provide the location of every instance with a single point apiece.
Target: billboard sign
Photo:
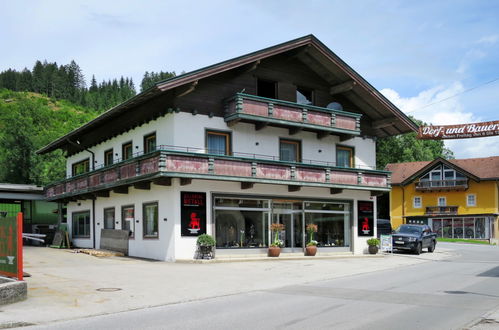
(463, 131)
(11, 246)
(193, 213)
(365, 221)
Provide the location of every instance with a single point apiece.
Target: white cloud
(492, 39)
(430, 107)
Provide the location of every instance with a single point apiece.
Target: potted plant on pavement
(311, 248)
(373, 245)
(206, 244)
(275, 247)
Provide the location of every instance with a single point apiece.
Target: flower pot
(274, 251)
(373, 249)
(311, 250)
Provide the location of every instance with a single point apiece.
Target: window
(417, 201)
(304, 96)
(109, 218)
(127, 151)
(128, 219)
(150, 215)
(442, 201)
(443, 176)
(266, 88)
(344, 156)
(218, 143)
(290, 150)
(108, 157)
(81, 167)
(149, 143)
(81, 224)
(471, 200)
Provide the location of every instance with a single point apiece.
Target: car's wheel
(431, 248)
(419, 249)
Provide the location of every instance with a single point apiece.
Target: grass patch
(462, 240)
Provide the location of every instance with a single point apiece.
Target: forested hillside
(28, 121)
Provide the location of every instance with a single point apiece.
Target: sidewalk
(65, 285)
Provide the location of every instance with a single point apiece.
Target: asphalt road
(447, 294)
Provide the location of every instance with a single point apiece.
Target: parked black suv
(414, 238)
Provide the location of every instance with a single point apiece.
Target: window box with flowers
(275, 247)
(311, 248)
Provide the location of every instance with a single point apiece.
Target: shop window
(150, 215)
(304, 96)
(442, 201)
(127, 151)
(417, 201)
(218, 143)
(149, 143)
(266, 88)
(81, 167)
(81, 224)
(344, 156)
(109, 217)
(128, 219)
(108, 157)
(290, 150)
(471, 200)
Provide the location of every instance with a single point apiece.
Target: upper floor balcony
(167, 162)
(441, 185)
(296, 117)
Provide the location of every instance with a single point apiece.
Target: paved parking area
(67, 285)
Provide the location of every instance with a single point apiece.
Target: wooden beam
(162, 181)
(383, 122)
(233, 122)
(252, 67)
(145, 185)
(261, 124)
(102, 193)
(247, 185)
(376, 193)
(87, 196)
(185, 181)
(344, 137)
(335, 191)
(294, 188)
(295, 130)
(190, 89)
(121, 190)
(343, 87)
(322, 135)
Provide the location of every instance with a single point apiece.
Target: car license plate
(399, 242)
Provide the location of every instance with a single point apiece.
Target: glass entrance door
(292, 235)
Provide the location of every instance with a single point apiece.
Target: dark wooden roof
(386, 119)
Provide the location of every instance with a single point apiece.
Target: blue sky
(415, 52)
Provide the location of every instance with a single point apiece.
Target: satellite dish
(334, 106)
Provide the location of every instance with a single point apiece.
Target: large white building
(286, 134)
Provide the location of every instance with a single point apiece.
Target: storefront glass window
(109, 218)
(241, 229)
(447, 228)
(128, 219)
(480, 228)
(458, 228)
(324, 206)
(469, 225)
(332, 228)
(150, 214)
(241, 203)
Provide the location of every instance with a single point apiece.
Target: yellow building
(458, 198)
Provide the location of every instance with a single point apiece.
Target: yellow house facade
(458, 198)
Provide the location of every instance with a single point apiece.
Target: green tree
(407, 148)
(151, 78)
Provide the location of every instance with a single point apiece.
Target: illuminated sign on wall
(365, 218)
(193, 213)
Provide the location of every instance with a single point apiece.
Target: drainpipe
(79, 146)
(403, 204)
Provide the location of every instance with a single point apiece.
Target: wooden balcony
(160, 166)
(441, 210)
(441, 185)
(296, 117)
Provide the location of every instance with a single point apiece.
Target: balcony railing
(177, 162)
(431, 185)
(441, 210)
(263, 111)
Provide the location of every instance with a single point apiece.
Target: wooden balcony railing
(162, 165)
(441, 210)
(263, 111)
(433, 185)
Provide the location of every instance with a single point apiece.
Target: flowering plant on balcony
(275, 228)
(311, 229)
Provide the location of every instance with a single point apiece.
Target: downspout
(78, 145)
(403, 204)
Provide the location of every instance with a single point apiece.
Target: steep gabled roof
(387, 118)
(478, 169)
